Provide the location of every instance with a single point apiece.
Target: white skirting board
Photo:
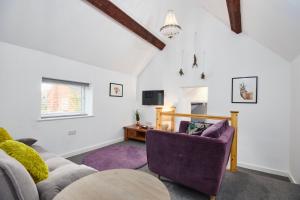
(268, 170)
(292, 179)
(91, 148)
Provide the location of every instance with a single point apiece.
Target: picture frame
(244, 90)
(116, 90)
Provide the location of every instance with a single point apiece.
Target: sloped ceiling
(74, 29)
(273, 23)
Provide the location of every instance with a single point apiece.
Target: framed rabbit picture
(115, 90)
(244, 90)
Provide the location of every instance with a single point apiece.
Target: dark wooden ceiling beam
(120, 16)
(234, 10)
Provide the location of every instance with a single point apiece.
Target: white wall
(295, 129)
(264, 127)
(21, 71)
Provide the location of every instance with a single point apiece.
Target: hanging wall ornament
(195, 62)
(181, 73)
(203, 76)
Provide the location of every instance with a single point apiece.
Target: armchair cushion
(28, 157)
(197, 128)
(193, 128)
(27, 141)
(183, 126)
(4, 135)
(216, 130)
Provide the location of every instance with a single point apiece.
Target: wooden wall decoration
(234, 11)
(120, 16)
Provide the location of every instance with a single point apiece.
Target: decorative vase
(138, 123)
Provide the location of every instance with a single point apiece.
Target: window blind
(62, 98)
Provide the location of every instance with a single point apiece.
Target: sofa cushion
(60, 178)
(197, 128)
(28, 157)
(56, 162)
(183, 126)
(15, 181)
(27, 141)
(43, 153)
(4, 135)
(216, 130)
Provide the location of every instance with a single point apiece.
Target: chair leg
(212, 198)
(158, 176)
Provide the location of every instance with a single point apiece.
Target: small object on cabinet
(137, 118)
(144, 126)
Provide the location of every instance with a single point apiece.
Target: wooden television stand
(135, 132)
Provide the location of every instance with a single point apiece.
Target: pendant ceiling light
(170, 27)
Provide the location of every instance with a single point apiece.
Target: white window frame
(85, 88)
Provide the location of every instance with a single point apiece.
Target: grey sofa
(17, 184)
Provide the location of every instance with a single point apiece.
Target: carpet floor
(242, 185)
(238, 186)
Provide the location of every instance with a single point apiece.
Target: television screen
(153, 97)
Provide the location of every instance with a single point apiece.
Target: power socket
(72, 132)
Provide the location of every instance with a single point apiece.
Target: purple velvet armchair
(198, 162)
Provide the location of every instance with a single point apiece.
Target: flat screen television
(153, 97)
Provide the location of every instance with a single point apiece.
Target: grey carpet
(243, 185)
(239, 186)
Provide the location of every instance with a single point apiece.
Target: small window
(61, 98)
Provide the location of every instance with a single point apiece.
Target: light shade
(170, 27)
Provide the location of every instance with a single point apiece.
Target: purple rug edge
(117, 156)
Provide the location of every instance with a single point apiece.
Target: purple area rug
(116, 157)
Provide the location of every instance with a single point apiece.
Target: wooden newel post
(158, 117)
(233, 157)
(173, 110)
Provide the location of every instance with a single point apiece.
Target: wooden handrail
(233, 118)
(196, 116)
